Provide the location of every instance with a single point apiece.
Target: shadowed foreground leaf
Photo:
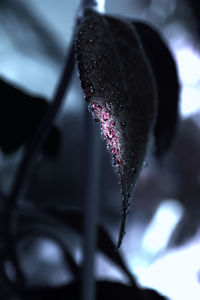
(74, 220)
(20, 115)
(166, 77)
(106, 290)
(119, 87)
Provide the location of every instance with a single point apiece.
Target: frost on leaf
(119, 88)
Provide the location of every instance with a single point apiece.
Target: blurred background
(162, 244)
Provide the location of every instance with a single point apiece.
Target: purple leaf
(119, 87)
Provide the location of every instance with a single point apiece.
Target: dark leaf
(194, 6)
(119, 87)
(48, 233)
(106, 290)
(165, 73)
(20, 115)
(74, 220)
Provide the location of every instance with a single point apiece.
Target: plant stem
(92, 197)
(31, 152)
(93, 179)
(35, 144)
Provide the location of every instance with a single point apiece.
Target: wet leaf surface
(119, 87)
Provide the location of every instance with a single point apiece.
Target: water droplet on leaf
(106, 116)
(110, 133)
(123, 124)
(145, 164)
(125, 90)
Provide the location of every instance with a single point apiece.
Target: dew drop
(145, 164)
(112, 123)
(110, 142)
(110, 133)
(91, 89)
(94, 105)
(115, 151)
(134, 170)
(109, 105)
(96, 120)
(116, 162)
(99, 107)
(123, 124)
(106, 116)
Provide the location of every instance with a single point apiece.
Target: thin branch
(31, 153)
(91, 205)
(92, 196)
(33, 149)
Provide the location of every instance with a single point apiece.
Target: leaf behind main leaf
(165, 73)
(20, 115)
(119, 87)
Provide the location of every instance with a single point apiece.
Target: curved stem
(35, 144)
(33, 149)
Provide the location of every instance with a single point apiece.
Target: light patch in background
(101, 5)
(49, 251)
(161, 227)
(188, 62)
(49, 267)
(106, 270)
(155, 237)
(146, 261)
(190, 99)
(189, 65)
(162, 9)
(176, 274)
